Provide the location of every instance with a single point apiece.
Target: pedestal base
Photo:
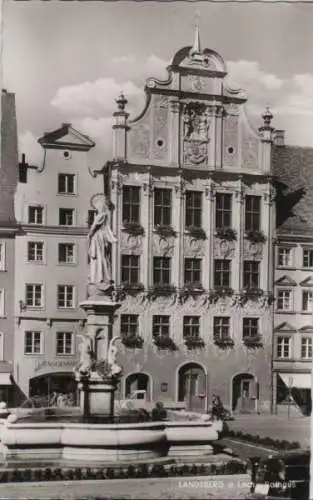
(97, 396)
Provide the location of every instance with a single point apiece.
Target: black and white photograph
(156, 250)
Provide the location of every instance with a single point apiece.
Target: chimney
(279, 137)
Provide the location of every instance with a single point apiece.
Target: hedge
(131, 471)
(266, 441)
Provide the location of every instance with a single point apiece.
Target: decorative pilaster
(215, 156)
(239, 225)
(174, 135)
(116, 197)
(147, 222)
(267, 228)
(266, 132)
(208, 223)
(180, 203)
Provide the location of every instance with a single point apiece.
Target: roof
(9, 159)
(66, 137)
(293, 171)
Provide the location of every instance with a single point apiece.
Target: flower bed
(196, 232)
(134, 228)
(144, 470)
(227, 234)
(133, 341)
(275, 444)
(166, 231)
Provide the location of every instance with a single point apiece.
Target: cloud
(138, 69)
(247, 73)
(27, 144)
(94, 97)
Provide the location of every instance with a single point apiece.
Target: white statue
(86, 355)
(100, 238)
(112, 353)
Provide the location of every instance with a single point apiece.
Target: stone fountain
(93, 436)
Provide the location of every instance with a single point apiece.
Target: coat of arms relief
(196, 127)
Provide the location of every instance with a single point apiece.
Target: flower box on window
(134, 228)
(194, 342)
(250, 294)
(223, 342)
(196, 232)
(165, 343)
(220, 293)
(165, 230)
(163, 289)
(132, 288)
(133, 341)
(226, 233)
(192, 289)
(255, 341)
(256, 236)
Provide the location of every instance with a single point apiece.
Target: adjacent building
(8, 228)
(52, 207)
(191, 183)
(293, 322)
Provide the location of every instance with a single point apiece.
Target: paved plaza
(185, 488)
(273, 426)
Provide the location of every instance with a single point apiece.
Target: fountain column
(98, 384)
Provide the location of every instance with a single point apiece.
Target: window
(66, 253)
(284, 300)
(91, 217)
(32, 343)
(35, 251)
(221, 328)
(308, 257)
(2, 256)
(306, 347)
(252, 213)
(64, 343)
(307, 301)
(35, 215)
(251, 272)
(131, 204)
(250, 328)
(161, 270)
(191, 328)
(192, 271)
(283, 347)
(129, 325)
(193, 214)
(34, 296)
(162, 207)
(2, 311)
(222, 273)
(66, 216)
(130, 269)
(223, 210)
(284, 256)
(66, 184)
(65, 296)
(161, 326)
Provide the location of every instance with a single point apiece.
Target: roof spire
(196, 49)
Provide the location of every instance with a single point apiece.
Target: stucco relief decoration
(163, 246)
(224, 249)
(160, 126)
(139, 140)
(196, 126)
(193, 246)
(253, 250)
(130, 242)
(250, 150)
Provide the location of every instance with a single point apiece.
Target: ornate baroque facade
(192, 189)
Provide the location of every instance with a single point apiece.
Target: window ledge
(283, 311)
(290, 268)
(33, 354)
(71, 264)
(67, 194)
(36, 262)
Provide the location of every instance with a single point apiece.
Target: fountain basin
(83, 442)
(190, 438)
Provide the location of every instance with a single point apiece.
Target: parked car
(285, 476)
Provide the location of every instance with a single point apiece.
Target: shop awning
(297, 380)
(5, 379)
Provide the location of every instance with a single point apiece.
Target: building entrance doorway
(244, 393)
(192, 386)
(136, 382)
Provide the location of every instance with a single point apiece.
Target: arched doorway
(244, 393)
(136, 382)
(192, 386)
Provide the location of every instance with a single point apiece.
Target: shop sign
(50, 364)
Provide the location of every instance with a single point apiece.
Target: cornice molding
(67, 230)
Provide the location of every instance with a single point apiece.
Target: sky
(67, 61)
